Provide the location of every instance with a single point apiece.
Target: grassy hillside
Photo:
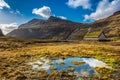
(110, 25)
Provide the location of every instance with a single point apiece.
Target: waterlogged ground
(58, 60)
(79, 66)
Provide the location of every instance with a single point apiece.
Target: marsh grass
(15, 53)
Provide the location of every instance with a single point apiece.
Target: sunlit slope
(110, 25)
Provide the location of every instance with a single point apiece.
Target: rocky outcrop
(1, 34)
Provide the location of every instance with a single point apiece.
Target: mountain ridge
(56, 28)
(51, 21)
(53, 28)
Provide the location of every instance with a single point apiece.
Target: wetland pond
(80, 66)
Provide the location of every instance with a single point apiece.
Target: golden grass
(13, 59)
(93, 34)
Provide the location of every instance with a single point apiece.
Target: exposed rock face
(53, 28)
(56, 28)
(1, 34)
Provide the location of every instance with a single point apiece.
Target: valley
(16, 53)
(59, 49)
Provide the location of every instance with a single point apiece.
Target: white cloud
(104, 9)
(44, 11)
(62, 17)
(79, 3)
(3, 4)
(6, 28)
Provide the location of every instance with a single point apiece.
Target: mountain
(53, 28)
(56, 28)
(51, 22)
(1, 34)
(110, 26)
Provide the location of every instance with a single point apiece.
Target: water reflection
(85, 69)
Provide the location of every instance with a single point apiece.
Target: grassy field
(14, 53)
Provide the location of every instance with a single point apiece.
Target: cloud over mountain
(6, 28)
(44, 11)
(104, 9)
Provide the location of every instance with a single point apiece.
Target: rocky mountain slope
(59, 29)
(1, 34)
(53, 28)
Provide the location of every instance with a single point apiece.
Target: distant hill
(56, 28)
(1, 34)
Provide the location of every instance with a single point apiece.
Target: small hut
(97, 35)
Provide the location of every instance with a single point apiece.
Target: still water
(85, 69)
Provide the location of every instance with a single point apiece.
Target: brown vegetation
(15, 53)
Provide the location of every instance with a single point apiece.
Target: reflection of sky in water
(86, 69)
(89, 63)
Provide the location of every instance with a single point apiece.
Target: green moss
(93, 34)
(98, 55)
(110, 61)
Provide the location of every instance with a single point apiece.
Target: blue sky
(16, 12)
(58, 8)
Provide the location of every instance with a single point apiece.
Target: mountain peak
(54, 19)
(35, 20)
